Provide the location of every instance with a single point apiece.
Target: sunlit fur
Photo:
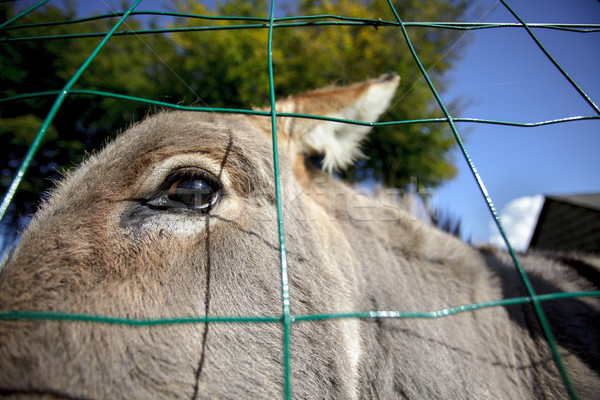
(88, 250)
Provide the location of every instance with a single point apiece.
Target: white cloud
(518, 219)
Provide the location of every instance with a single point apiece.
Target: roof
(590, 200)
(569, 223)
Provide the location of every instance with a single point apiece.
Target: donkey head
(176, 218)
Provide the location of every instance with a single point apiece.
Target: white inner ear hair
(339, 142)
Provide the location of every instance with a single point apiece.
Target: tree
(127, 65)
(224, 68)
(231, 69)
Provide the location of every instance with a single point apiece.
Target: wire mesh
(286, 319)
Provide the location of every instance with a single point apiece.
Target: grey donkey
(177, 218)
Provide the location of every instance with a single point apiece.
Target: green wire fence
(286, 319)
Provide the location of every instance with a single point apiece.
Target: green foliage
(233, 70)
(84, 122)
(224, 68)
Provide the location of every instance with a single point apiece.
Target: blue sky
(503, 75)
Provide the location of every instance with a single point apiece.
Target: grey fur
(91, 249)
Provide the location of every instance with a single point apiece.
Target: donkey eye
(192, 193)
(187, 191)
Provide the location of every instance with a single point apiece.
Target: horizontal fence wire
(286, 319)
(26, 315)
(50, 117)
(282, 22)
(581, 28)
(181, 107)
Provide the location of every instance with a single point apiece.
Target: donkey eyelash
(187, 189)
(190, 173)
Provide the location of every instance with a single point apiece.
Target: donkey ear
(339, 143)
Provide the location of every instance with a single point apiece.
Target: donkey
(177, 217)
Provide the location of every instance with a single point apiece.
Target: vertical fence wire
(488, 200)
(55, 107)
(556, 64)
(24, 13)
(286, 318)
(285, 287)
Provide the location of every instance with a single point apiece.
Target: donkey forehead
(214, 135)
(226, 145)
